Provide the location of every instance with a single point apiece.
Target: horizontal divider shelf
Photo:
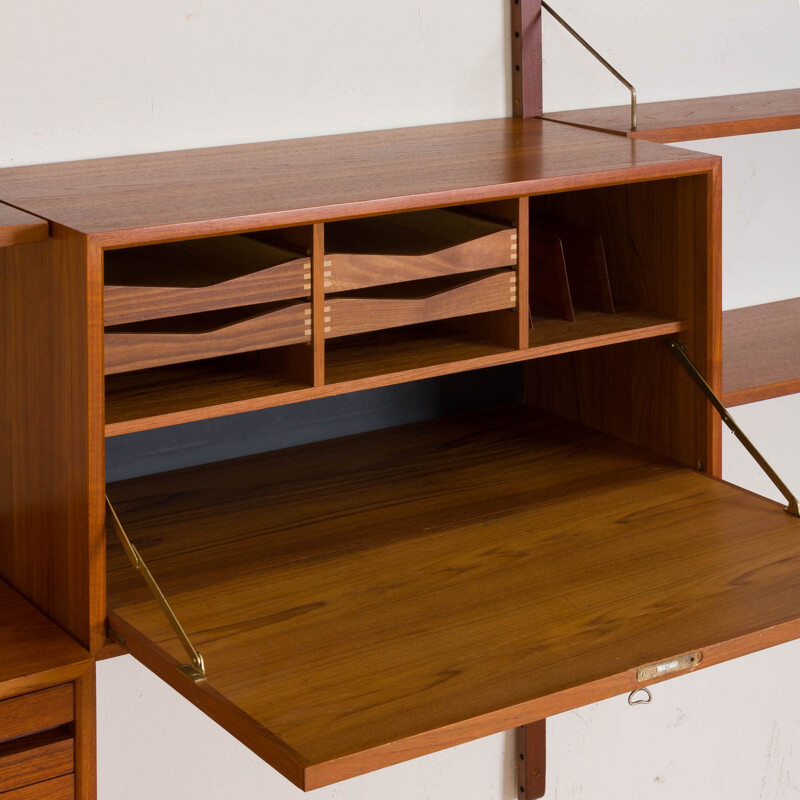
(415, 302)
(410, 246)
(761, 352)
(366, 600)
(157, 342)
(180, 393)
(36, 655)
(179, 278)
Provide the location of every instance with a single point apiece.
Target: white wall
(86, 78)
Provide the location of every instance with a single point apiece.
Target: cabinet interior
(400, 560)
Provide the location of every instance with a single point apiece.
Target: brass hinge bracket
(678, 349)
(195, 670)
(615, 72)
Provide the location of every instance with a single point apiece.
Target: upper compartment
(391, 298)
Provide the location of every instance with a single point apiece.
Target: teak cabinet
(365, 600)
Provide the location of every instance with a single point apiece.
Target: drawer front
(359, 314)
(36, 758)
(62, 788)
(140, 349)
(190, 277)
(38, 711)
(346, 271)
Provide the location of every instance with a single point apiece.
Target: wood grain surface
(36, 758)
(550, 291)
(203, 390)
(661, 244)
(697, 118)
(85, 729)
(586, 266)
(366, 600)
(531, 742)
(154, 343)
(761, 352)
(52, 470)
(17, 227)
(526, 57)
(419, 301)
(36, 654)
(153, 198)
(200, 275)
(62, 788)
(406, 247)
(37, 711)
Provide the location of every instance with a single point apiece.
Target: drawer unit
(62, 788)
(198, 336)
(419, 301)
(201, 275)
(36, 758)
(415, 245)
(38, 711)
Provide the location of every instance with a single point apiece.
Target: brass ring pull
(642, 701)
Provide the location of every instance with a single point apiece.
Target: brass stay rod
(196, 669)
(679, 351)
(631, 88)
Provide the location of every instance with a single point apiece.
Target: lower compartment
(362, 601)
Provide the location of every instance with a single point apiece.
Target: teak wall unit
(365, 600)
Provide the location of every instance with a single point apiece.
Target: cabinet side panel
(662, 244)
(51, 430)
(86, 736)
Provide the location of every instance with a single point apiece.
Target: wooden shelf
(597, 329)
(405, 247)
(761, 352)
(194, 337)
(165, 280)
(415, 302)
(17, 227)
(203, 390)
(366, 600)
(153, 198)
(35, 653)
(178, 393)
(698, 118)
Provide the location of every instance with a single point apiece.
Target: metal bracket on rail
(678, 350)
(195, 670)
(631, 88)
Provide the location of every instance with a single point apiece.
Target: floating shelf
(761, 352)
(698, 118)
(366, 600)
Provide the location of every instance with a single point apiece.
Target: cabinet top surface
(17, 227)
(34, 652)
(147, 198)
